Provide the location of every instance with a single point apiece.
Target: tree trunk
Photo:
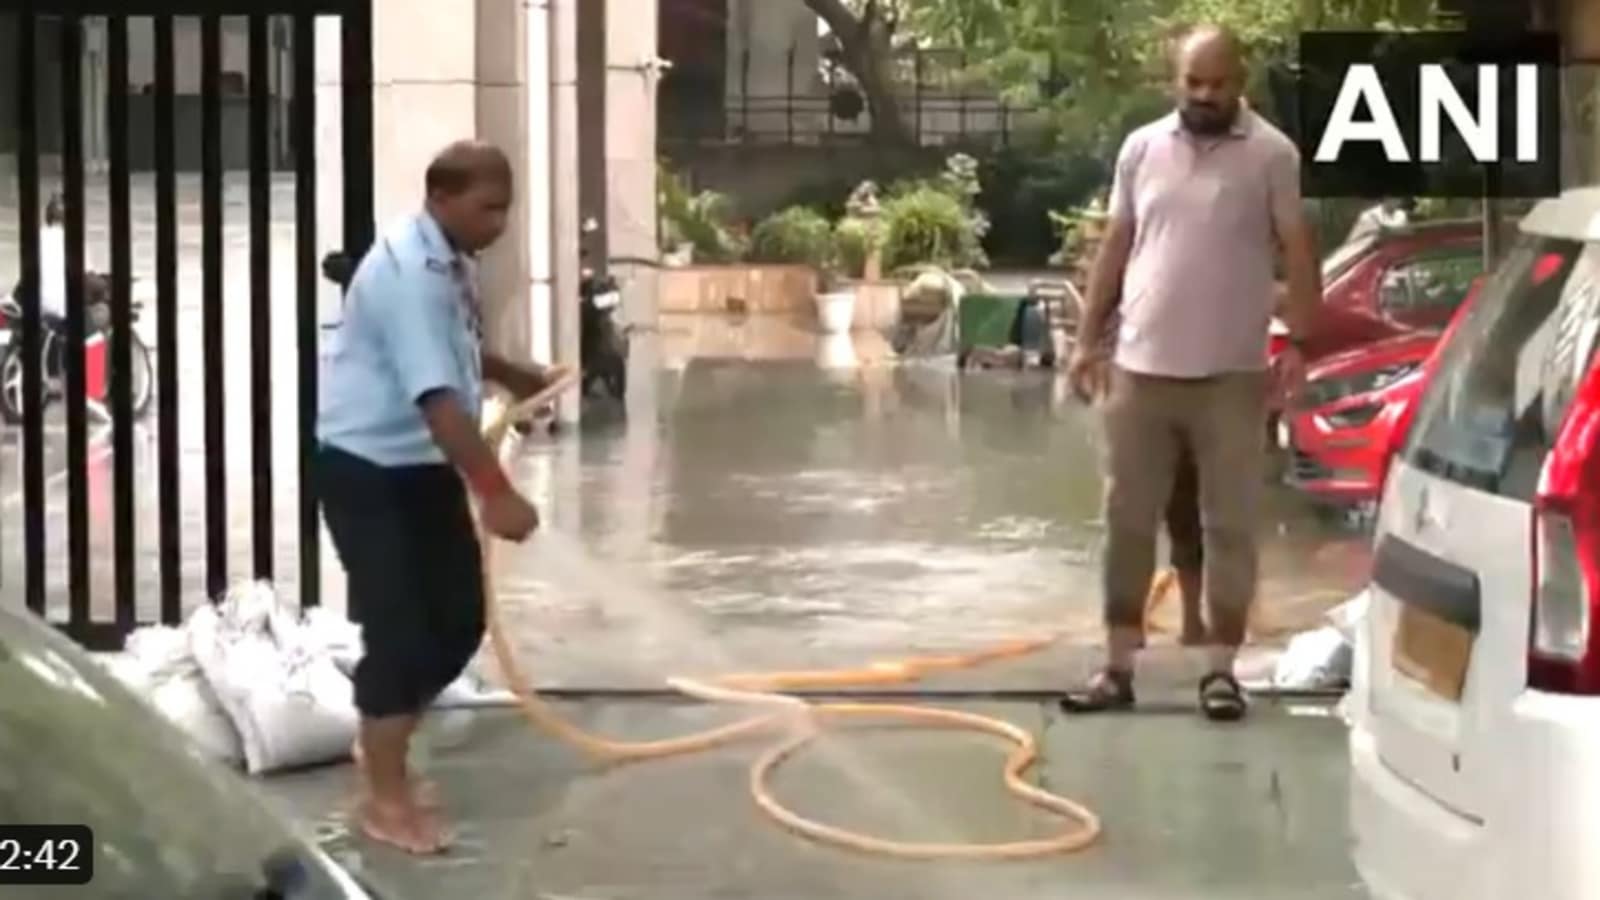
(865, 42)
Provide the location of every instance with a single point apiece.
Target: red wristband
(488, 481)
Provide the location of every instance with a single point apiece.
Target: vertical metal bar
(964, 94)
(167, 450)
(304, 129)
(356, 63)
(833, 78)
(33, 535)
(744, 94)
(211, 337)
(916, 99)
(788, 99)
(261, 296)
(72, 354)
(121, 324)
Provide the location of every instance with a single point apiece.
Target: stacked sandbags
(279, 684)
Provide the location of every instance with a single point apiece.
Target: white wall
(769, 30)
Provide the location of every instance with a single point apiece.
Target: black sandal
(1222, 697)
(1108, 691)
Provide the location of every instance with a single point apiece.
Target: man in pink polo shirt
(1202, 201)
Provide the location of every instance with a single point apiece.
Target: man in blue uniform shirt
(400, 446)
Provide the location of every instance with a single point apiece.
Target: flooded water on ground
(797, 517)
(745, 512)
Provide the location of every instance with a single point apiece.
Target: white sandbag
(1348, 616)
(288, 700)
(1314, 660)
(157, 666)
(185, 698)
(330, 633)
(337, 636)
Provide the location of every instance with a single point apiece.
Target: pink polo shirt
(1197, 294)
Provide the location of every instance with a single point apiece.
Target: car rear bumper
(1400, 835)
(1408, 846)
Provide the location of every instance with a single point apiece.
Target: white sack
(336, 636)
(1348, 616)
(339, 638)
(157, 666)
(289, 701)
(1314, 660)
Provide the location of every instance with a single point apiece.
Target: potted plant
(802, 236)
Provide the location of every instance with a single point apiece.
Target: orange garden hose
(798, 722)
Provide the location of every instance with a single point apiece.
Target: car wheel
(11, 384)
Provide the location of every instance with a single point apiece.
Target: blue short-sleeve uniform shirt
(411, 326)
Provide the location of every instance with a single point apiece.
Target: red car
(1338, 432)
(1355, 410)
(1393, 283)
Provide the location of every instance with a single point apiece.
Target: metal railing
(938, 101)
(356, 112)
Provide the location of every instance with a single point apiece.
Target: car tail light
(1563, 653)
(1564, 641)
(1561, 598)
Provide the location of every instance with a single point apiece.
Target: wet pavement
(770, 514)
(1189, 811)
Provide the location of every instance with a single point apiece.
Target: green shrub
(797, 235)
(702, 219)
(928, 225)
(853, 239)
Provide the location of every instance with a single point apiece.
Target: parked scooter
(603, 345)
(97, 347)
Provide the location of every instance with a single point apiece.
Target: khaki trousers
(1151, 423)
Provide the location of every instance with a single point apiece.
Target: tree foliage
(1097, 66)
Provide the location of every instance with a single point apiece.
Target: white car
(1475, 703)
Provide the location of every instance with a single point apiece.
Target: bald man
(400, 449)
(1203, 200)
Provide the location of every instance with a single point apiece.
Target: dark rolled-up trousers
(406, 539)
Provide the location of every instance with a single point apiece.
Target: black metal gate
(269, 28)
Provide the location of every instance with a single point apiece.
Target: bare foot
(404, 826)
(424, 792)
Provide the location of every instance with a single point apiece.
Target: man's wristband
(488, 481)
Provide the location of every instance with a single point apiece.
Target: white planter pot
(836, 312)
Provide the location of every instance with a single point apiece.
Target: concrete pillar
(443, 72)
(592, 112)
(631, 83)
(564, 185)
(425, 83)
(541, 201)
(502, 119)
(630, 151)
